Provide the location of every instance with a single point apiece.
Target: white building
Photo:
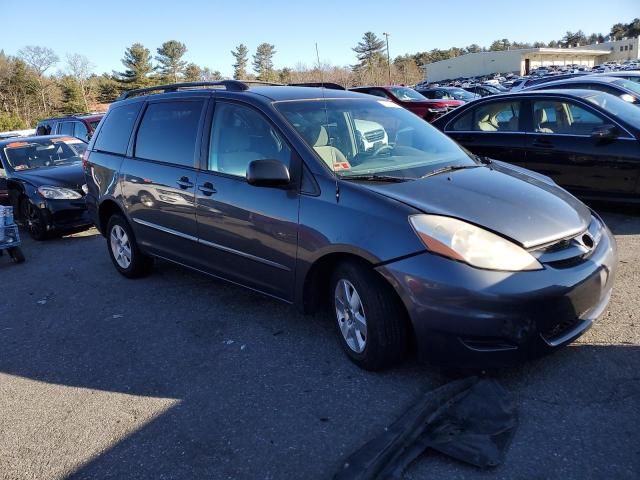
(522, 61)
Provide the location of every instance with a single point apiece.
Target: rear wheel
(124, 251)
(371, 320)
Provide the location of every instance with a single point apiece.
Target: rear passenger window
(463, 124)
(116, 129)
(66, 128)
(168, 132)
(80, 131)
(497, 117)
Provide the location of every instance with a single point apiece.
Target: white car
(372, 135)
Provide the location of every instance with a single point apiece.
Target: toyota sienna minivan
(410, 243)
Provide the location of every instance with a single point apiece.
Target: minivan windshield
(356, 137)
(30, 154)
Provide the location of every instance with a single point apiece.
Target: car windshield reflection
(361, 137)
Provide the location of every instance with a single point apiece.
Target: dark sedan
(44, 182)
(627, 90)
(408, 98)
(585, 140)
(483, 90)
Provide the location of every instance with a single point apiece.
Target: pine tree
(137, 60)
(171, 66)
(369, 51)
(192, 73)
(240, 66)
(263, 62)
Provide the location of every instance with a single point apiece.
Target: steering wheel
(382, 149)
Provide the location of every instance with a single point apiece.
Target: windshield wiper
(449, 168)
(375, 178)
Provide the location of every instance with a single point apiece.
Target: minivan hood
(523, 207)
(68, 176)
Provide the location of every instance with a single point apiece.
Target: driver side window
(563, 118)
(240, 135)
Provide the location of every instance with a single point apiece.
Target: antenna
(326, 119)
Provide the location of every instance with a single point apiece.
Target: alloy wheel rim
(120, 246)
(32, 218)
(350, 315)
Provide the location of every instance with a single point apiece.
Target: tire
(34, 220)
(384, 341)
(16, 254)
(124, 251)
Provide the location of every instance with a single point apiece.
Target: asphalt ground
(182, 376)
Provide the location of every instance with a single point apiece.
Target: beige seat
(318, 137)
(541, 118)
(485, 124)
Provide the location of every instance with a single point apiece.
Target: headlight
(470, 244)
(58, 193)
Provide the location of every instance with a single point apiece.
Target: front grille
(561, 329)
(374, 135)
(568, 252)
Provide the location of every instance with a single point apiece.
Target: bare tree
(80, 69)
(40, 59)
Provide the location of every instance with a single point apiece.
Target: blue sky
(102, 30)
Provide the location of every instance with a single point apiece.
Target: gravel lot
(181, 376)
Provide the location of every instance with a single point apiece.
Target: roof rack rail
(231, 85)
(329, 85)
(260, 82)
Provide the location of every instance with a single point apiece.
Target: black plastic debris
(472, 420)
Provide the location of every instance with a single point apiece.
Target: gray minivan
(409, 241)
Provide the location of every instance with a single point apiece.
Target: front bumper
(65, 215)
(467, 317)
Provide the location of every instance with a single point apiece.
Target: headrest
(541, 116)
(316, 136)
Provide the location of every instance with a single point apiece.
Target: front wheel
(371, 320)
(124, 251)
(34, 220)
(16, 254)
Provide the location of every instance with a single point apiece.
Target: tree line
(29, 90)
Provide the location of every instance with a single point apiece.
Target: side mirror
(605, 132)
(268, 173)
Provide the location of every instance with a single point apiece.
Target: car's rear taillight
(85, 159)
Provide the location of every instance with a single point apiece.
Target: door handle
(542, 143)
(207, 189)
(184, 183)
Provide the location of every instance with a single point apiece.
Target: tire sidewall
(25, 203)
(387, 338)
(132, 270)
(349, 272)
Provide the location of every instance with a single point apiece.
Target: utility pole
(388, 56)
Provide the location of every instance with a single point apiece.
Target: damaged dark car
(44, 183)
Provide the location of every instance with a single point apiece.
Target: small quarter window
(115, 132)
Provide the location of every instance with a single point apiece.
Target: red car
(412, 100)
